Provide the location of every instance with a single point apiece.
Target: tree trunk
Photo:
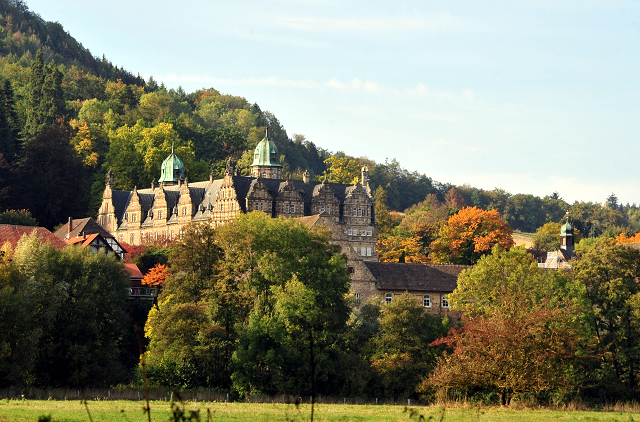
(313, 373)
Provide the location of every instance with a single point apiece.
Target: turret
(266, 160)
(567, 239)
(171, 171)
(365, 176)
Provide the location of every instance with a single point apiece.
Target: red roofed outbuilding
(12, 234)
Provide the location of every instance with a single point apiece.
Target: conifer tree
(33, 122)
(9, 147)
(45, 102)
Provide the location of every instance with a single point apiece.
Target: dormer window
(264, 174)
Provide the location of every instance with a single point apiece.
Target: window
(388, 298)
(172, 235)
(159, 214)
(426, 301)
(445, 301)
(121, 238)
(221, 207)
(357, 295)
(180, 234)
(233, 206)
(328, 210)
(264, 174)
(359, 212)
(350, 270)
(322, 208)
(355, 212)
(369, 232)
(363, 232)
(350, 231)
(132, 239)
(286, 208)
(363, 251)
(293, 208)
(368, 251)
(355, 249)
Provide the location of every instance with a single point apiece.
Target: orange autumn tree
(470, 234)
(623, 238)
(156, 276)
(400, 249)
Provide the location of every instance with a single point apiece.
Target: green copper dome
(172, 169)
(266, 154)
(566, 229)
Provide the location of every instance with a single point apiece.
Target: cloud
(443, 22)
(356, 84)
(267, 81)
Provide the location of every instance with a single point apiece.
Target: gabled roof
(12, 234)
(415, 277)
(83, 240)
(79, 226)
(133, 270)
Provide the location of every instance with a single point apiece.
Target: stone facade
(162, 211)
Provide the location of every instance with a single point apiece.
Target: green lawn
(131, 411)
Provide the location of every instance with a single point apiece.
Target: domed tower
(567, 239)
(171, 171)
(266, 160)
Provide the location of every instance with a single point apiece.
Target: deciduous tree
(469, 234)
(610, 274)
(522, 328)
(397, 352)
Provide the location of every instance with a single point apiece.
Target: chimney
(69, 227)
(306, 177)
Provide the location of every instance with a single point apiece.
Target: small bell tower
(567, 238)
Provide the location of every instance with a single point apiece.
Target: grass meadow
(131, 411)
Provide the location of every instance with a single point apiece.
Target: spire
(109, 179)
(229, 171)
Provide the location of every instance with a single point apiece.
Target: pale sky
(529, 96)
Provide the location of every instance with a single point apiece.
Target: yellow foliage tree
(343, 169)
(401, 249)
(83, 144)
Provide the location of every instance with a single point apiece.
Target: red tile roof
(11, 233)
(82, 240)
(133, 270)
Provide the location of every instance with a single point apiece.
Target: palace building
(162, 211)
